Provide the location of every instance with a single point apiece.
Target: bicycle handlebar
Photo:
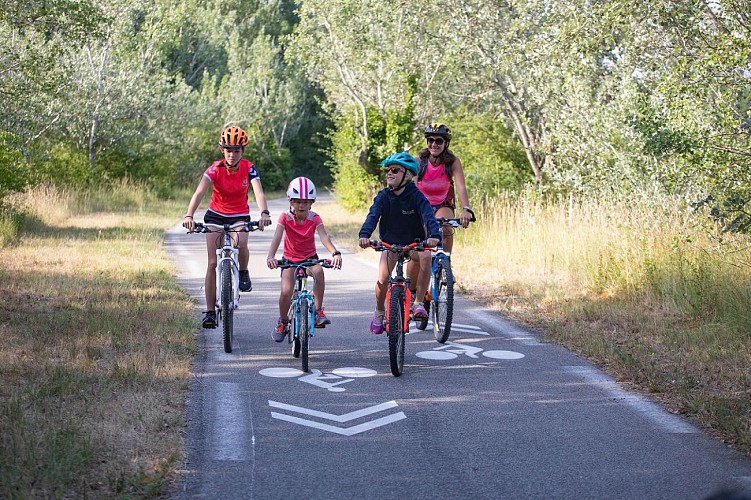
(237, 227)
(382, 246)
(285, 264)
(456, 222)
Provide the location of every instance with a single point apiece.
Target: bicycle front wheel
(304, 332)
(443, 306)
(396, 330)
(226, 304)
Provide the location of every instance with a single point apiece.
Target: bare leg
(209, 284)
(243, 258)
(285, 296)
(423, 259)
(319, 287)
(448, 231)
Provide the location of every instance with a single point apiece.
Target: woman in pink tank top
(441, 180)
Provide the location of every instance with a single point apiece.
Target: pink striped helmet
(301, 188)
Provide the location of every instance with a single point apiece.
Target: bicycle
(227, 272)
(398, 301)
(441, 292)
(302, 309)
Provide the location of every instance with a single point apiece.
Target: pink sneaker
(419, 311)
(376, 324)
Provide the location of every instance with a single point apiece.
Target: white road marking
(354, 372)
(282, 372)
(229, 423)
(436, 355)
(652, 411)
(502, 354)
(455, 327)
(330, 416)
(349, 431)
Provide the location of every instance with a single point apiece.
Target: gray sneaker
(281, 330)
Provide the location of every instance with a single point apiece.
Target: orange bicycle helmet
(233, 137)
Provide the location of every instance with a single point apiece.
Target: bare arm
(261, 202)
(336, 255)
(275, 241)
(203, 186)
(461, 191)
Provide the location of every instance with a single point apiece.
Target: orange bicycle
(398, 300)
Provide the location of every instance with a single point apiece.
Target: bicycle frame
(299, 295)
(399, 294)
(302, 308)
(398, 280)
(441, 295)
(227, 255)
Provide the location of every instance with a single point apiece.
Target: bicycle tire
(295, 339)
(292, 327)
(226, 304)
(443, 306)
(396, 330)
(304, 332)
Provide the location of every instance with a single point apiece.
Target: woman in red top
(441, 179)
(231, 178)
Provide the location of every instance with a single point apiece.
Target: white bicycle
(227, 272)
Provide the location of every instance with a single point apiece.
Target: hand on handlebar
(364, 242)
(432, 242)
(336, 261)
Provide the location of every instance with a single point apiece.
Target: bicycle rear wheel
(443, 307)
(396, 330)
(304, 332)
(226, 304)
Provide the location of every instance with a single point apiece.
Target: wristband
(336, 253)
(190, 216)
(266, 212)
(466, 208)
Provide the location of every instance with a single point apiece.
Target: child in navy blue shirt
(401, 213)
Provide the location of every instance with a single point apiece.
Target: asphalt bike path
(492, 413)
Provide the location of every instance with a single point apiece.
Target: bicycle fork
(221, 258)
(407, 302)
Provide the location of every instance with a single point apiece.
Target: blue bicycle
(302, 310)
(441, 293)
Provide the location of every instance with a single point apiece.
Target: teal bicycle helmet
(402, 159)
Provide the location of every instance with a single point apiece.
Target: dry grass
(97, 347)
(98, 338)
(648, 292)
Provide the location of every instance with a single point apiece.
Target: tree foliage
(596, 97)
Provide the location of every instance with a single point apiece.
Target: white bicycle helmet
(301, 188)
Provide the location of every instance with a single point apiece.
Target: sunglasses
(438, 140)
(393, 170)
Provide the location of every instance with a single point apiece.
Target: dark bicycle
(441, 293)
(302, 309)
